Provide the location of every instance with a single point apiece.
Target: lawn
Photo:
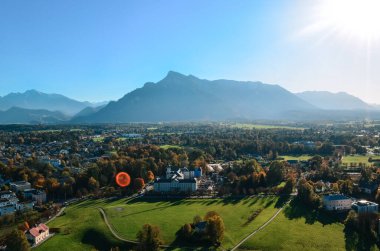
(297, 157)
(98, 139)
(297, 229)
(260, 126)
(82, 228)
(170, 216)
(166, 147)
(348, 159)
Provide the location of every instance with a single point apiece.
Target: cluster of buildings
(178, 180)
(183, 180)
(340, 202)
(9, 203)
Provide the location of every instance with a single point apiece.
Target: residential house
(200, 227)
(38, 234)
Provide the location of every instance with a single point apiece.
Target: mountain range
(178, 97)
(36, 100)
(334, 101)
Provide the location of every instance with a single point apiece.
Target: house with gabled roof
(38, 234)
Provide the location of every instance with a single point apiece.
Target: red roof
(36, 231)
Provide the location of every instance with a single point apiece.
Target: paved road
(260, 228)
(55, 216)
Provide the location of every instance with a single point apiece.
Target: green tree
(149, 238)
(16, 241)
(289, 185)
(275, 174)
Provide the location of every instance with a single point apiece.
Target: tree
(289, 185)
(346, 186)
(16, 241)
(149, 238)
(377, 197)
(197, 219)
(187, 231)
(210, 214)
(275, 174)
(214, 227)
(139, 184)
(93, 184)
(150, 176)
(306, 194)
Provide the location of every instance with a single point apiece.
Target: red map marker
(123, 179)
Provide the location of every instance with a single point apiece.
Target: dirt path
(260, 228)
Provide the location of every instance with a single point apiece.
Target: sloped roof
(36, 231)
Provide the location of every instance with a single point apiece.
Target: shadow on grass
(192, 244)
(297, 210)
(100, 241)
(281, 201)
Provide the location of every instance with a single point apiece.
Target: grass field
(297, 229)
(98, 139)
(257, 126)
(170, 216)
(170, 146)
(356, 159)
(298, 157)
(82, 227)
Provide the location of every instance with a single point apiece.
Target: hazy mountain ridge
(334, 101)
(16, 115)
(186, 98)
(35, 100)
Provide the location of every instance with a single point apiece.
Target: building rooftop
(20, 183)
(158, 180)
(364, 203)
(335, 197)
(36, 231)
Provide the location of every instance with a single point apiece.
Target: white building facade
(337, 202)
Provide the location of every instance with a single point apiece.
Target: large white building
(177, 180)
(19, 186)
(168, 185)
(35, 195)
(337, 202)
(364, 206)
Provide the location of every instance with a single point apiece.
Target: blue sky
(100, 50)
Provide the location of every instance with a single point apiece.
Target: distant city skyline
(104, 50)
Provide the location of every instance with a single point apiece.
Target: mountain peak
(32, 91)
(174, 74)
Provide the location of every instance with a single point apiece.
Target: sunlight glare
(354, 18)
